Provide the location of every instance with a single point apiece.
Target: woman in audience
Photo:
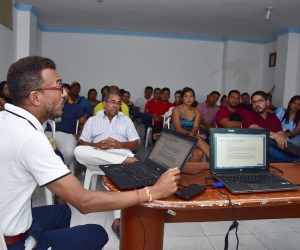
(186, 120)
(223, 102)
(132, 111)
(4, 95)
(92, 95)
(290, 118)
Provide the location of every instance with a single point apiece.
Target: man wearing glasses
(260, 118)
(28, 160)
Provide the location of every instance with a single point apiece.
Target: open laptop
(239, 158)
(171, 150)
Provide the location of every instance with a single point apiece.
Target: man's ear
(34, 98)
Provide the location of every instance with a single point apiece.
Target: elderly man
(108, 137)
(28, 159)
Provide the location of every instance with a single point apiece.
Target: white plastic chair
(149, 133)
(72, 165)
(91, 176)
(2, 241)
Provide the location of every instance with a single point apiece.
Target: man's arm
(157, 118)
(226, 123)
(72, 191)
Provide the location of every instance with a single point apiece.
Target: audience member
(289, 119)
(231, 116)
(103, 92)
(65, 136)
(147, 115)
(36, 89)
(261, 118)
(177, 97)
(245, 103)
(91, 96)
(123, 108)
(81, 101)
(186, 120)
(140, 103)
(223, 102)
(5, 96)
(208, 110)
(158, 110)
(271, 106)
(108, 137)
(133, 114)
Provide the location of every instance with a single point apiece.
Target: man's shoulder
(201, 105)
(242, 111)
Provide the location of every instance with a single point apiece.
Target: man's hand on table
(166, 185)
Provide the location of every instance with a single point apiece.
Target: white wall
(6, 51)
(133, 62)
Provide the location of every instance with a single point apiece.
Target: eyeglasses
(60, 87)
(114, 103)
(258, 101)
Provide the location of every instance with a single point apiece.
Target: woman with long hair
(4, 95)
(91, 96)
(290, 118)
(186, 120)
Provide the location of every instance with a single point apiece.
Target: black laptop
(171, 150)
(239, 158)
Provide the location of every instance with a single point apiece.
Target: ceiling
(209, 18)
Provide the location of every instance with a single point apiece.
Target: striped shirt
(98, 128)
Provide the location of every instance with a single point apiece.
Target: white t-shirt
(27, 160)
(141, 103)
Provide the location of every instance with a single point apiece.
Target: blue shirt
(85, 105)
(71, 113)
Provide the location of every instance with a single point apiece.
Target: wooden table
(144, 224)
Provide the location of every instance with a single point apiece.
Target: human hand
(281, 141)
(105, 144)
(166, 184)
(130, 159)
(201, 136)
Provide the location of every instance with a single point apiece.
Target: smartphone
(189, 192)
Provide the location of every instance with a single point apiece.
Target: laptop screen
(239, 150)
(171, 150)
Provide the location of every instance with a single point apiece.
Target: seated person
(245, 103)
(158, 110)
(178, 101)
(81, 101)
(133, 114)
(223, 101)
(271, 106)
(103, 92)
(4, 95)
(261, 118)
(123, 108)
(146, 116)
(289, 119)
(91, 96)
(208, 110)
(108, 138)
(231, 116)
(65, 136)
(186, 120)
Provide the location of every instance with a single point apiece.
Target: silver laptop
(239, 158)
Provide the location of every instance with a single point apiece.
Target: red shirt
(271, 122)
(150, 105)
(161, 108)
(224, 112)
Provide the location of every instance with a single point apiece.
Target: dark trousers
(147, 120)
(156, 128)
(54, 222)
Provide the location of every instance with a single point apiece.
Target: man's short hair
(75, 83)
(261, 93)
(245, 93)
(178, 92)
(215, 92)
(165, 89)
(25, 75)
(67, 86)
(149, 87)
(113, 92)
(269, 96)
(157, 89)
(233, 91)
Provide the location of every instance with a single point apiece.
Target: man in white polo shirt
(27, 159)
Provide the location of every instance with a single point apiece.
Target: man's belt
(13, 239)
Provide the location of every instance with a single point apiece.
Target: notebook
(171, 150)
(239, 158)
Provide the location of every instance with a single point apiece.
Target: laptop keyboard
(251, 178)
(138, 172)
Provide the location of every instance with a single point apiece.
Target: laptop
(239, 158)
(172, 149)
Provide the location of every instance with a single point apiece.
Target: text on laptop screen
(170, 151)
(239, 150)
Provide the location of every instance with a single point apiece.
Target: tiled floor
(281, 234)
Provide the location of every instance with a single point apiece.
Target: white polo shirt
(26, 160)
(141, 103)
